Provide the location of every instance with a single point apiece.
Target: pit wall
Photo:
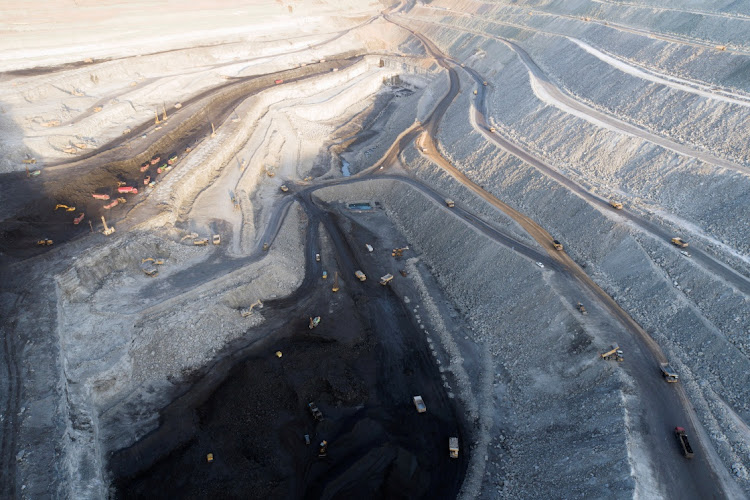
(563, 394)
(699, 321)
(125, 355)
(648, 177)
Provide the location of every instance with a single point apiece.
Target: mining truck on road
(679, 242)
(614, 353)
(453, 447)
(668, 372)
(316, 413)
(360, 275)
(687, 450)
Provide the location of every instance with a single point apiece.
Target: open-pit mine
(382, 249)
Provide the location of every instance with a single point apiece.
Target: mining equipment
(615, 204)
(679, 242)
(44, 242)
(66, 207)
(484, 83)
(148, 266)
(453, 447)
(323, 451)
(216, 240)
(450, 203)
(580, 307)
(419, 404)
(325, 275)
(315, 411)
(681, 435)
(107, 230)
(335, 282)
(360, 275)
(558, 246)
(403, 273)
(668, 373)
(79, 219)
(283, 188)
(265, 247)
(314, 322)
(384, 280)
(248, 311)
(99, 196)
(201, 242)
(614, 353)
(317, 257)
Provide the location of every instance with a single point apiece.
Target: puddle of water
(360, 206)
(345, 168)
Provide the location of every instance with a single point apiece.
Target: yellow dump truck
(453, 447)
(679, 242)
(615, 204)
(360, 275)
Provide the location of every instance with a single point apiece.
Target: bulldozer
(614, 353)
(248, 311)
(66, 207)
(335, 282)
(314, 322)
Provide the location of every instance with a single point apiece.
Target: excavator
(614, 353)
(314, 322)
(398, 252)
(335, 282)
(249, 310)
(66, 207)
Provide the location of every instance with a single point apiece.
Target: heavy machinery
(99, 196)
(384, 280)
(112, 203)
(615, 204)
(189, 236)
(314, 322)
(317, 257)
(453, 447)
(679, 242)
(270, 172)
(44, 242)
(668, 373)
(66, 207)
(216, 239)
(145, 166)
(323, 450)
(335, 282)
(484, 83)
(403, 273)
(283, 188)
(398, 252)
(492, 129)
(172, 160)
(155, 160)
(419, 404)
(279, 81)
(614, 353)
(265, 247)
(475, 92)
(450, 203)
(369, 247)
(127, 189)
(248, 311)
(316, 413)
(107, 230)
(210, 458)
(29, 161)
(79, 219)
(558, 246)
(148, 266)
(360, 275)
(681, 435)
(721, 47)
(201, 242)
(325, 275)
(580, 307)
(147, 180)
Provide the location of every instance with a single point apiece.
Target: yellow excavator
(249, 310)
(335, 282)
(66, 207)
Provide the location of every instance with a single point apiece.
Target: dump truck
(450, 203)
(314, 322)
(492, 129)
(384, 280)
(484, 83)
(316, 413)
(679, 242)
(265, 247)
(615, 204)
(668, 373)
(558, 246)
(581, 308)
(614, 353)
(419, 404)
(360, 275)
(325, 275)
(283, 188)
(475, 92)
(317, 257)
(681, 436)
(44, 242)
(369, 247)
(216, 240)
(453, 447)
(149, 267)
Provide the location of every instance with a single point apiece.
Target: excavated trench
(361, 366)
